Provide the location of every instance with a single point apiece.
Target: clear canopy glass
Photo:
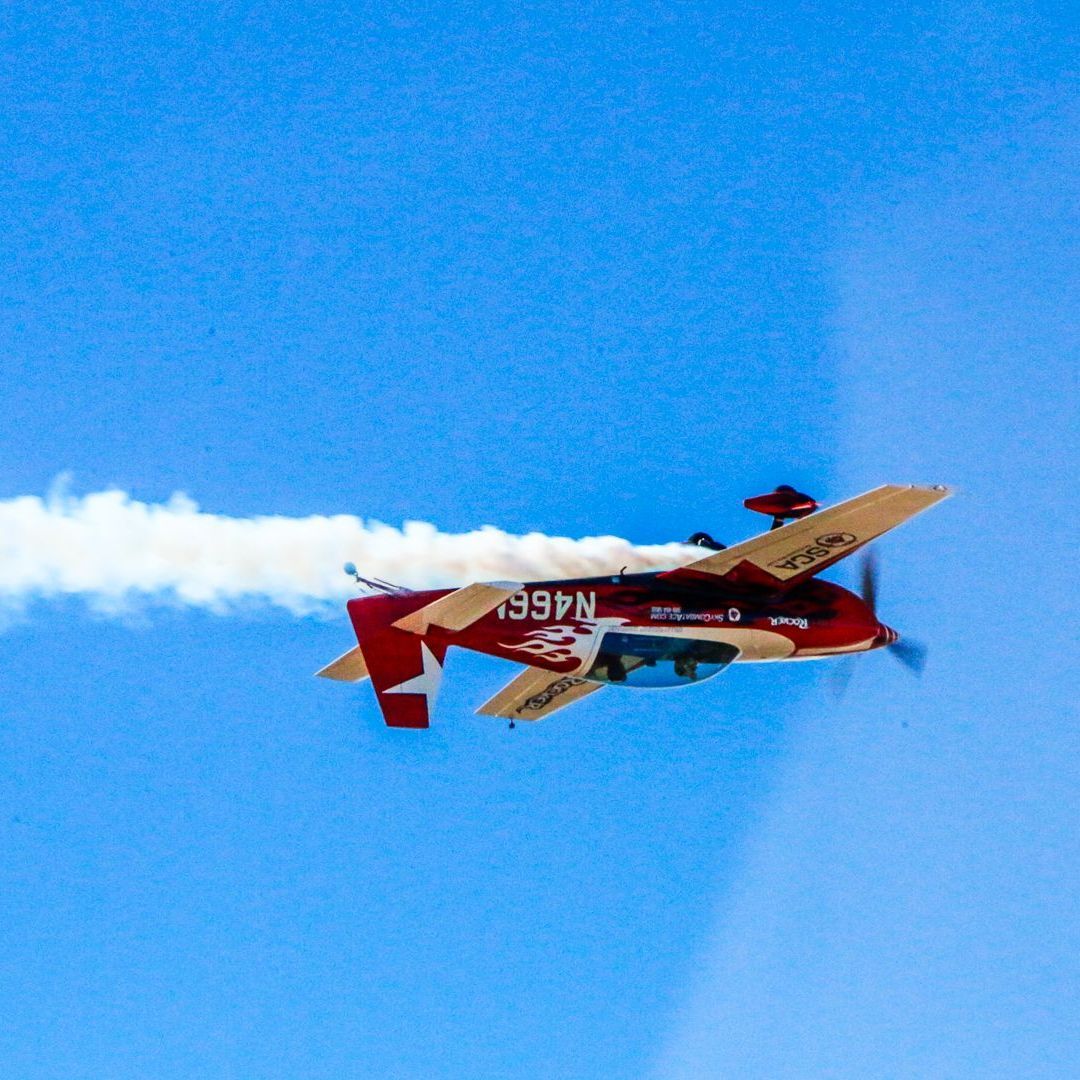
(648, 660)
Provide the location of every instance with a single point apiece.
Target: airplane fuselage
(645, 630)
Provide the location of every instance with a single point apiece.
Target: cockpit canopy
(650, 660)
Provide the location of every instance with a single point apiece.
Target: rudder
(406, 670)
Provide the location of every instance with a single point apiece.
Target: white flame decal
(558, 644)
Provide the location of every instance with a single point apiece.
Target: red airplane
(758, 600)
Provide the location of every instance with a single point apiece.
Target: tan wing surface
(461, 608)
(795, 552)
(347, 668)
(536, 693)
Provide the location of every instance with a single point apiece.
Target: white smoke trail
(114, 552)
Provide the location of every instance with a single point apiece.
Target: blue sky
(581, 271)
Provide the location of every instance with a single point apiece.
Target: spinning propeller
(912, 654)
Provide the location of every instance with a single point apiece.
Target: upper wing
(784, 557)
(535, 693)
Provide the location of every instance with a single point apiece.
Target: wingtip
(940, 491)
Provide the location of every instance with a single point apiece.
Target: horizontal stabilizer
(347, 668)
(786, 556)
(461, 608)
(536, 693)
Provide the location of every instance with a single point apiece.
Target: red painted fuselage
(561, 625)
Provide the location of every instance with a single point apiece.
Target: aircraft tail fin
(405, 668)
(406, 671)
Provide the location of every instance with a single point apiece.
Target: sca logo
(837, 539)
(822, 548)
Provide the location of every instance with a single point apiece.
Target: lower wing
(535, 693)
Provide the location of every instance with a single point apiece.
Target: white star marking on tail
(426, 683)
